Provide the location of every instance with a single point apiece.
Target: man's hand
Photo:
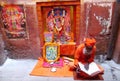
(78, 69)
(76, 62)
(86, 66)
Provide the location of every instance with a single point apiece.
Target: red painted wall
(97, 21)
(30, 48)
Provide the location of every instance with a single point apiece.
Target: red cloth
(80, 57)
(98, 76)
(67, 49)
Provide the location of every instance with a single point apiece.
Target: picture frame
(48, 37)
(51, 52)
(57, 19)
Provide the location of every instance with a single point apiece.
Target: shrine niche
(14, 22)
(59, 22)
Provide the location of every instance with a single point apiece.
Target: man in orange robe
(85, 53)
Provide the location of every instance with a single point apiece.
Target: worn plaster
(105, 23)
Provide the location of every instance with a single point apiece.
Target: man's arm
(78, 54)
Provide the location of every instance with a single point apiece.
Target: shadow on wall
(118, 0)
(3, 58)
(3, 53)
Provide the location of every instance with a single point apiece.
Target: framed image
(51, 52)
(14, 21)
(57, 19)
(48, 37)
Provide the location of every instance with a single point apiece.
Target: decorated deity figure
(14, 20)
(56, 24)
(13, 16)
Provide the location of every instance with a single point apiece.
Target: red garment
(80, 57)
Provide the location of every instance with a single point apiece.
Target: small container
(53, 69)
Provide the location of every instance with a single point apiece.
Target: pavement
(19, 70)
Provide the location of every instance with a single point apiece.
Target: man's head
(89, 44)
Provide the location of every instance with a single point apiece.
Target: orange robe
(80, 57)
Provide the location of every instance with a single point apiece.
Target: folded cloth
(58, 63)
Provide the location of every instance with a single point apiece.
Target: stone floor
(18, 70)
